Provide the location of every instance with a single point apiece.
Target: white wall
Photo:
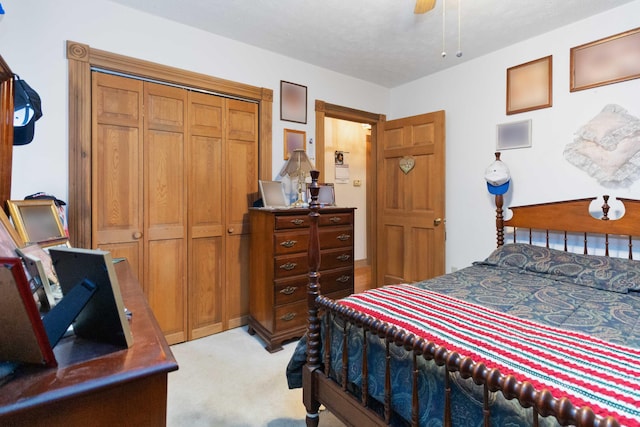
(33, 35)
(473, 95)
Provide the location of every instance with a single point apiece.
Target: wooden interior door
(241, 173)
(116, 175)
(165, 207)
(206, 214)
(411, 205)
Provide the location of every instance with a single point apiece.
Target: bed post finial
(605, 207)
(499, 217)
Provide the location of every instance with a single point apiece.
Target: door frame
(81, 58)
(326, 110)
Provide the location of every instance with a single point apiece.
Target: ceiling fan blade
(424, 6)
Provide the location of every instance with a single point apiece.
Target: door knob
(437, 221)
(230, 230)
(137, 235)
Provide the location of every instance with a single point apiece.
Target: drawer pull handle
(344, 237)
(289, 290)
(343, 279)
(289, 243)
(335, 219)
(297, 221)
(288, 266)
(343, 257)
(287, 317)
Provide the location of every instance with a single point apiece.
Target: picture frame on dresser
(38, 221)
(326, 194)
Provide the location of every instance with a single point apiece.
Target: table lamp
(297, 165)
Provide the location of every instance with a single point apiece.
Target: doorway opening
(345, 155)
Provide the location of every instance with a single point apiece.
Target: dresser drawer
(291, 315)
(338, 237)
(288, 242)
(290, 290)
(336, 258)
(327, 218)
(336, 280)
(290, 265)
(284, 222)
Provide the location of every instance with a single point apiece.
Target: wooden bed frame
(567, 217)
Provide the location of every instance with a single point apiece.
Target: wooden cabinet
(97, 384)
(279, 267)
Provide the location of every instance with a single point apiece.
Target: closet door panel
(241, 184)
(205, 215)
(206, 293)
(165, 185)
(165, 189)
(237, 268)
(117, 147)
(165, 290)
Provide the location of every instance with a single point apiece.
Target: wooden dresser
(279, 268)
(94, 383)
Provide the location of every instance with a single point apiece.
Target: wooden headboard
(6, 131)
(572, 216)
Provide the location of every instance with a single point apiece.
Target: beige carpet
(230, 380)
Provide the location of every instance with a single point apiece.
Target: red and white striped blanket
(587, 370)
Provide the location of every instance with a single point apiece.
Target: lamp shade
(298, 163)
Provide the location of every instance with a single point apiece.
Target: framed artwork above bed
(529, 86)
(609, 60)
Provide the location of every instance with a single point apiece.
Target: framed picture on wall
(293, 102)
(529, 86)
(293, 140)
(513, 135)
(610, 60)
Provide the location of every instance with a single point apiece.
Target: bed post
(499, 217)
(313, 290)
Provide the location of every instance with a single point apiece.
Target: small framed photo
(293, 140)
(38, 221)
(610, 60)
(293, 102)
(529, 86)
(326, 194)
(513, 135)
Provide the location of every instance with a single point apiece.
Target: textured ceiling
(381, 41)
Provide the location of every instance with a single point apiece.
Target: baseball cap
(498, 177)
(27, 109)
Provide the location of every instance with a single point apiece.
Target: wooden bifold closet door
(172, 176)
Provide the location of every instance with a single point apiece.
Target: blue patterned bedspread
(596, 295)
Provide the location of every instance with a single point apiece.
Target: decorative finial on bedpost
(605, 207)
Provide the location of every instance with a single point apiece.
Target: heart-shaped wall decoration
(407, 163)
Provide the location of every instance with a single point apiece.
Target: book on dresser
(279, 268)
